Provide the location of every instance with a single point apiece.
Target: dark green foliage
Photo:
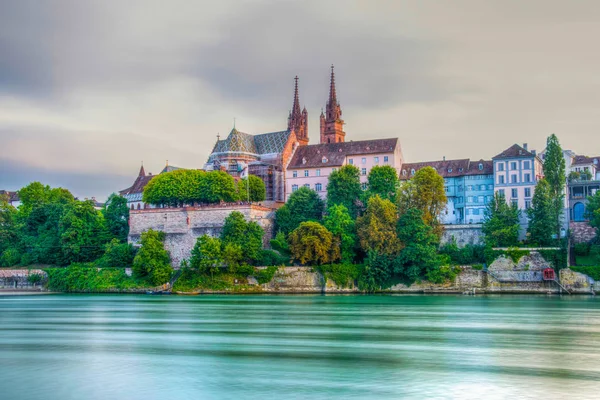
(265, 275)
(116, 215)
(152, 262)
(82, 233)
(339, 222)
(303, 205)
(35, 195)
(419, 255)
(344, 275)
(280, 245)
(218, 186)
(117, 254)
(442, 274)
(593, 210)
(501, 224)
(383, 181)
(378, 272)
(10, 257)
(258, 191)
(88, 278)
(556, 258)
(467, 255)
(269, 258)
(541, 219)
(344, 188)
(582, 249)
(8, 225)
(207, 254)
(593, 271)
(554, 173)
(248, 236)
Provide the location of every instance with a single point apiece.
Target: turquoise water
(313, 347)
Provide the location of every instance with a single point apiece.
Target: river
(313, 347)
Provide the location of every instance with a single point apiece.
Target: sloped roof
(313, 155)
(584, 160)
(138, 185)
(169, 168)
(514, 151)
(264, 143)
(12, 196)
(450, 168)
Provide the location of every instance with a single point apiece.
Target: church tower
(298, 120)
(332, 125)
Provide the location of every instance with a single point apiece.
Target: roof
(450, 168)
(264, 143)
(138, 185)
(334, 154)
(585, 160)
(12, 196)
(169, 168)
(514, 151)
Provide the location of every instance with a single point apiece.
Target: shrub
(266, 275)
(152, 261)
(35, 279)
(582, 249)
(85, 277)
(10, 257)
(591, 271)
(443, 274)
(117, 254)
(344, 275)
(269, 257)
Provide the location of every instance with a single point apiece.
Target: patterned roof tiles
(264, 143)
(450, 168)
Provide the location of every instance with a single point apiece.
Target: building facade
(583, 181)
(135, 192)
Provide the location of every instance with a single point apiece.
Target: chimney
(444, 158)
(533, 152)
(525, 146)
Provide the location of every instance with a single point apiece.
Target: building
(265, 155)
(311, 165)
(583, 181)
(135, 192)
(11, 197)
(469, 187)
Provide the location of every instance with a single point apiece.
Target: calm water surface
(317, 347)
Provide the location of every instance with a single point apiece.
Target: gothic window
(139, 206)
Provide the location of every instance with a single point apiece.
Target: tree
(420, 243)
(116, 215)
(383, 180)
(501, 223)
(593, 210)
(425, 192)
(376, 228)
(341, 225)
(554, 173)
(303, 205)
(344, 188)
(258, 191)
(35, 195)
(541, 222)
(219, 186)
(207, 254)
(82, 233)
(152, 262)
(117, 254)
(8, 227)
(311, 243)
(247, 235)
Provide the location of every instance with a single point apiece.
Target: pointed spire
(332, 94)
(296, 106)
(142, 171)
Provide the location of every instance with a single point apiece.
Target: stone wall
(582, 232)
(19, 279)
(463, 234)
(183, 226)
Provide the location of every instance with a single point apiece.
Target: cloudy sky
(90, 89)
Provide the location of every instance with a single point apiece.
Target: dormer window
(480, 166)
(449, 169)
(303, 160)
(412, 171)
(460, 170)
(324, 160)
(404, 172)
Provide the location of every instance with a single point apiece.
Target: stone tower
(332, 125)
(298, 120)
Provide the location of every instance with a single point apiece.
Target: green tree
(8, 225)
(40, 233)
(593, 210)
(383, 181)
(501, 223)
(341, 225)
(541, 222)
(247, 235)
(425, 192)
(311, 243)
(554, 173)
(258, 191)
(207, 254)
(83, 233)
(117, 254)
(35, 195)
(152, 262)
(344, 188)
(116, 215)
(420, 243)
(303, 205)
(376, 228)
(219, 186)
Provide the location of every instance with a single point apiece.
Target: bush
(35, 279)
(10, 257)
(266, 275)
(591, 271)
(344, 275)
(85, 277)
(269, 257)
(582, 249)
(443, 274)
(117, 254)
(467, 255)
(556, 258)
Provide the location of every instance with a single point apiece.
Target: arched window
(132, 207)
(139, 206)
(412, 171)
(480, 166)
(579, 212)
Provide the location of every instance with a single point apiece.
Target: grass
(88, 278)
(590, 270)
(195, 281)
(586, 260)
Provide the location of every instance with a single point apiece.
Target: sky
(91, 89)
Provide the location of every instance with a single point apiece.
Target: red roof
(514, 151)
(450, 168)
(585, 160)
(12, 196)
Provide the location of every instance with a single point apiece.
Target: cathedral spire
(332, 94)
(298, 120)
(296, 106)
(332, 125)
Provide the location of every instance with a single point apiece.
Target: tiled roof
(169, 168)
(12, 196)
(334, 154)
(584, 160)
(241, 142)
(138, 185)
(514, 151)
(449, 168)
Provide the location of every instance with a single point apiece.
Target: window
(482, 187)
(447, 189)
(527, 204)
(501, 179)
(363, 171)
(324, 160)
(490, 187)
(527, 192)
(501, 192)
(363, 186)
(376, 160)
(513, 193)
(469, 199)
(482, 199)
(449, 170)
(475, 199)
(470, 187)
(333, 169)
(500, 166)
(305, 172)
(386, 159)
(351, 161)
(318, 187)
(412, 171)
(303, 160)
(480, 166)
(527, 177)
(476, 211)
(294, 188)
(318, 172)
(403, 172)
(526, 165)
(514, 203)
(295, 174)
(513, 179)
(460, 188)
(363, 160)
(513, 165)
(307, 185)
